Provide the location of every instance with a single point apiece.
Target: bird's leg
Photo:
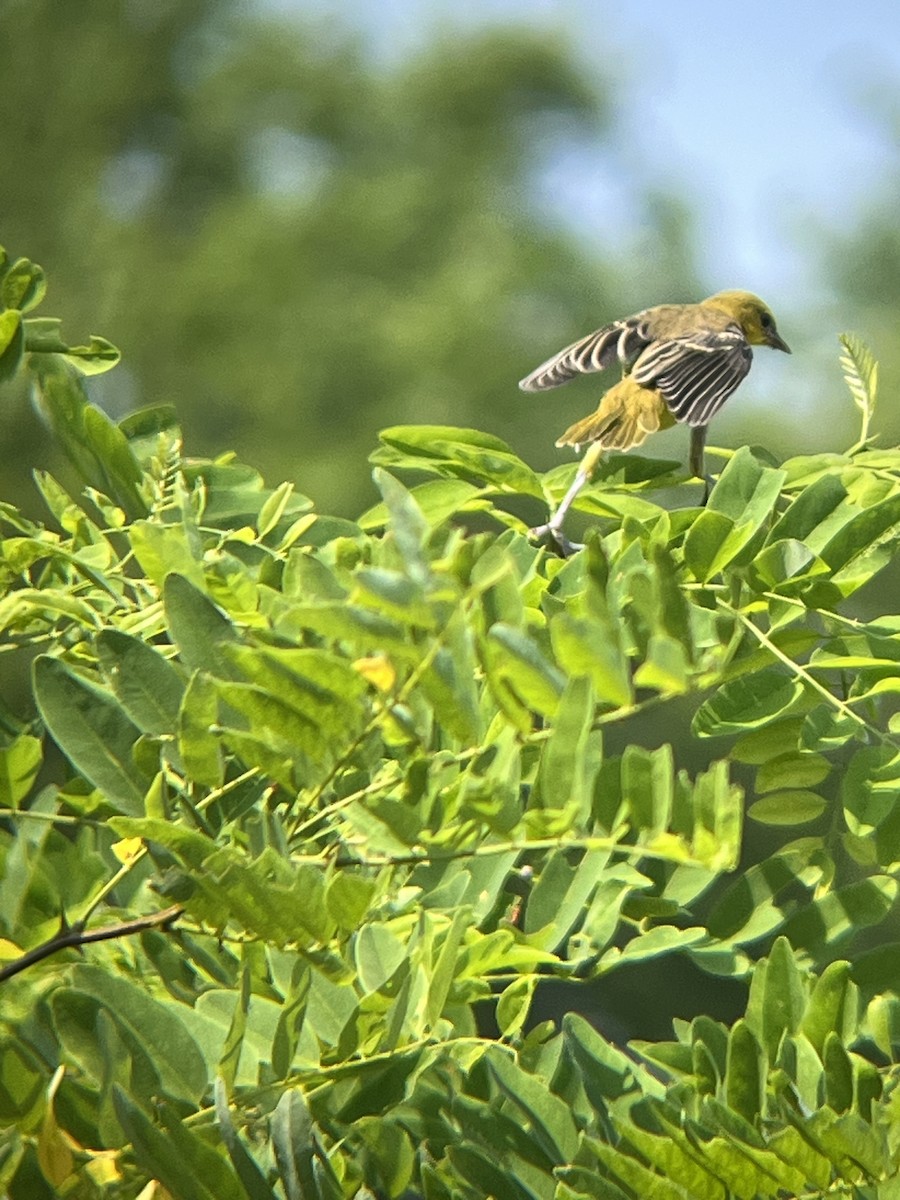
(554, 526)
(697, 463)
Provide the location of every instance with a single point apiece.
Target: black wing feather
(622, 340)
(591, 353)
(696, 373)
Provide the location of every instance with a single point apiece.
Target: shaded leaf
(91, 728)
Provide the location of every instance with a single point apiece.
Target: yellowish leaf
(8, 950)
(127, 849)
(378, 669)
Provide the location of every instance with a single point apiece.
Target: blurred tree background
(298, 243)
(312, 245)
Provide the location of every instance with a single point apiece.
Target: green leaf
(832, 1007)
(388, 1149)
(648, 787)
(514, 1004)
(469, 454)
(665, 667)
(22, 1083)
(292, 1142)
(861, 373)
(838, 1074)
(378, 954)
(43, 336)
(20, 763)
(449, 682)
(438, 500)
(815, 515)
(92, 730)
(792, 771)
(792, 807)
(273, 509)
(337, 620)
(783, 996)
(608, 1072)
(705, 547)
(484, 1175)
(788, 567)
(314, 690)
(635, 1177)
(659, 940)
(396, 594)
(146, 684)
(200, 628)
(869, 788)
(182, 1161)
(560, 895)
(24, 285)
(863, 544)
(407, 524)
(12, 342)
(749, 909)
(825, 728)
(246, 1167)
(768, 742)
(96, 447)
(674, 1157)
(96, 357)
(146, 424)
(198, 745)
(428, 440)
(843, 911)
(348, 898)
(164, 550)
(549, 1117)
(234, 1039)
(738, 508)
(152, 1032)
(290, 1021)
(745, 1073)
(592, 648)
(748, 702)
(571, 755)
(445, 966)
(518, 672)
(307, 577)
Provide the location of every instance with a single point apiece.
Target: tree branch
(78, 936)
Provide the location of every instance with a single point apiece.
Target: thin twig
(76, 935)
(801, 672)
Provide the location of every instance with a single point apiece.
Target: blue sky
(756, 111)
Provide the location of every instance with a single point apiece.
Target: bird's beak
(777, 342)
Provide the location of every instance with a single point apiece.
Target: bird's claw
(549, 532)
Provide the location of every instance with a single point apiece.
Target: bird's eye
(766, 321)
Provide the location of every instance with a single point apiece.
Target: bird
(680, 362)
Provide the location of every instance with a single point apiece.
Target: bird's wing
(696, 372)
(623, 340)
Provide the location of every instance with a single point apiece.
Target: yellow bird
(680, 362)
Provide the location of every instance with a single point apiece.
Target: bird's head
(754, 317)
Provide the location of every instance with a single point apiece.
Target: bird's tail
(626, 417)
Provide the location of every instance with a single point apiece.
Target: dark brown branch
(77, 935)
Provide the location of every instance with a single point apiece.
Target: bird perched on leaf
(680, 362)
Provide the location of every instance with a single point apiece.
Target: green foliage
(22, 288)
(861, 373)
(393, 775)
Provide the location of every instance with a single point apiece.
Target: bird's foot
(550, 532)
